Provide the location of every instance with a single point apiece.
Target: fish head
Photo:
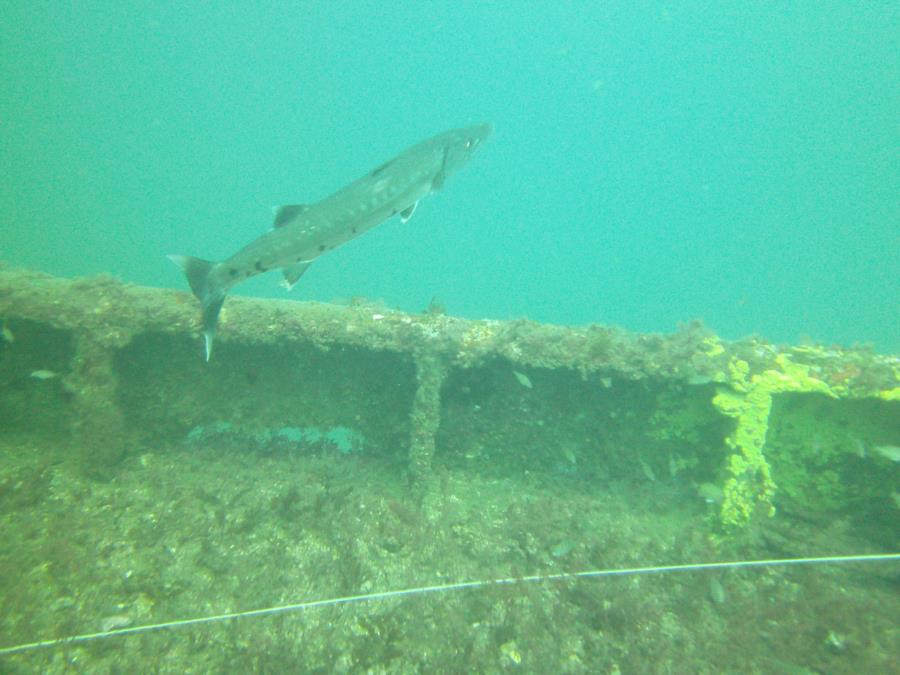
(461, 144)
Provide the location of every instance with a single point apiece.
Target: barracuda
(303, 232)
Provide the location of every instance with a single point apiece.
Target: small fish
(892, 452)
(7, 333)
(698, 380)
(563, 548)
(647, 469)
(711, 494)
(717, 591)
(43, 374)
(115, 622)
(523, 379)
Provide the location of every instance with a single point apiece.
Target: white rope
(422, 590)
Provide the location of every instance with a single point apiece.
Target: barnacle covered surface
(330, 450)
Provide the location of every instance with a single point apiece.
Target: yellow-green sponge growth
(749, 487)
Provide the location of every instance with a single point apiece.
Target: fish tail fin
(211, 298)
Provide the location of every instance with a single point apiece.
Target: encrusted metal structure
(111, 366)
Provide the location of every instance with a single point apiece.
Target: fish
(710, 493)
(43, 374)
(717, 591)
(115, 622)
(891, 452)
(523, 379)
(302, 232)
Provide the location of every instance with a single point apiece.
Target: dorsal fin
(283, 214)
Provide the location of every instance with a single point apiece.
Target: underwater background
(652, 162)
(500, 440)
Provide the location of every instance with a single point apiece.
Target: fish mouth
(482, 131)
(476, 135)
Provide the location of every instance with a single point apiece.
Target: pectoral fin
(406, 213)
(438, 181)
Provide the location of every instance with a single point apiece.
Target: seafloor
(369, 451)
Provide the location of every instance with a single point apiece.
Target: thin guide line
(458, 586)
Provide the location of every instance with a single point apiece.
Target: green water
(652, 163)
